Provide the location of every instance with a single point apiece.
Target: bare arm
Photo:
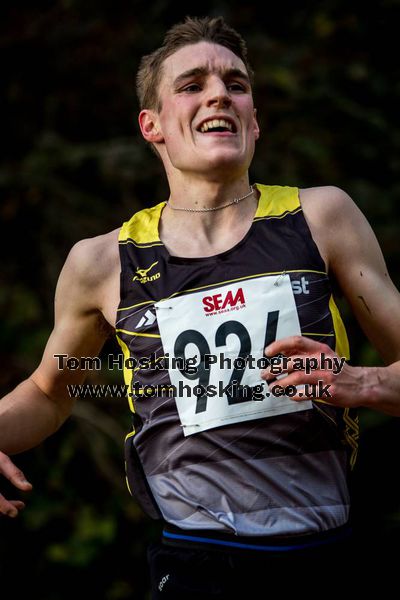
(39, 405)
(352, 253)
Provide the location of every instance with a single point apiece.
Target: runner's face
(201, 83)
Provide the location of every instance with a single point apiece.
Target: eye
(191, 88)
(236, 87)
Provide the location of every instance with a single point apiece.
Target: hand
(10, 508)
(306, 361)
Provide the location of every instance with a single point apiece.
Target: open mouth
(217, 125)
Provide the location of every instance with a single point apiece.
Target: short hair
(190, 31)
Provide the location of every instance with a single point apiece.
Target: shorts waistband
(174, 536)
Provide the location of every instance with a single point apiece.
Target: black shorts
(218, 573)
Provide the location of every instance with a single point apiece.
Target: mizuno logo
(142, 277)
(147, 319)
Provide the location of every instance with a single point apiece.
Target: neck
(206, 194)
(207, 233)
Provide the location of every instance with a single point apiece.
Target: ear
(149, 126)
(256, 126)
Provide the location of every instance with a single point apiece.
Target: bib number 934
(238, 331)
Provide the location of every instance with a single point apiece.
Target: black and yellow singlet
(206, 455)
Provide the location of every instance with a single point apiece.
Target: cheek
(174, 132)
(176, 120)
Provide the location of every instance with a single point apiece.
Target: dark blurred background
(73, 165)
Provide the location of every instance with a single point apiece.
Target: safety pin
(277, 282)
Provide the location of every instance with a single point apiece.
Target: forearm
(383, 385)
(27, 417)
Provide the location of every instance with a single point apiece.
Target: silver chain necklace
(234, 201)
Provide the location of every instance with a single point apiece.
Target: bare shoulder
(323, 202)
(332, 217)
(333, 213)
(94, 259)
(89, 280)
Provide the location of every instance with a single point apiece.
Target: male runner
(252, 485)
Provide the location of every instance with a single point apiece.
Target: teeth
(213, 123)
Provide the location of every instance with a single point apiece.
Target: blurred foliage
(73, 165)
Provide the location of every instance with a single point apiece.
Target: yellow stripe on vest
(127, 372)
(342, 343)
(276, 200)
(142, 228)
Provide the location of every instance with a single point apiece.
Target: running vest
(208, 454)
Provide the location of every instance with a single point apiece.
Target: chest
(218, 285)
(179, 242)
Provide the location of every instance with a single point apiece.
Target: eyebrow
(202, 71)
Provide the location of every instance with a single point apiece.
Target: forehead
(206, 55)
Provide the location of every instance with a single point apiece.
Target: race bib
(223, 332)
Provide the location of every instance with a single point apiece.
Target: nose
(218, 94)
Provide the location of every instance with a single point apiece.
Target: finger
(267, 375)
(18, 504)
(10, 508)
(11, 472)
(286, 365)
(302, 378)
(309, 387)
(296, 344)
